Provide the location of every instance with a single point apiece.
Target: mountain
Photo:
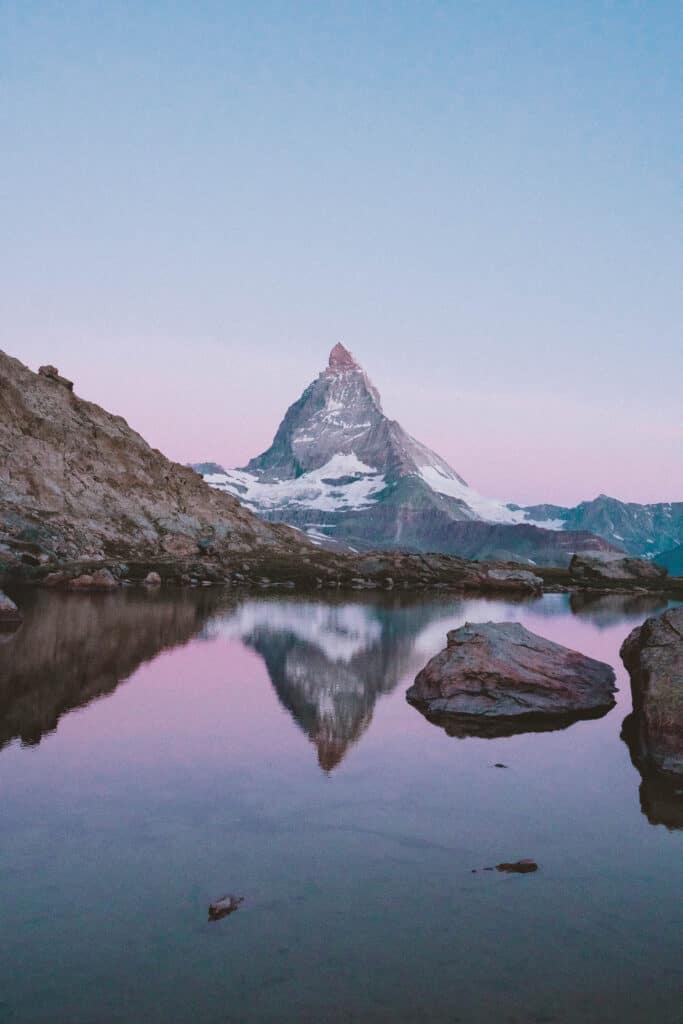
(339, 468)
(672, 560)
(641, 530)
(77, 482)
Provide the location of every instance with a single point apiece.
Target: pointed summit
(341, 359)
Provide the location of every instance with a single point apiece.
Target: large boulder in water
(653, 655)
(496, 674)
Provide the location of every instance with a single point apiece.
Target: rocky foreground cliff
(76, 482)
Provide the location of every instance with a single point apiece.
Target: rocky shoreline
(306, 568)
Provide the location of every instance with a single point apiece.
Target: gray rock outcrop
(519, 580)
(76, 482)
(606, 567)
(653, 655)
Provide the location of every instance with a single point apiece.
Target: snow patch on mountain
(344, 483)
(487, 509)
(341, 632)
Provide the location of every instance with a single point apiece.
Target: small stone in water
(223, 906)
(519, 867)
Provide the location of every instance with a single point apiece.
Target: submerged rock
(653, 655)
(499, 678)
(9, 613)
(607, 567)
(223, 906)
(516, 867)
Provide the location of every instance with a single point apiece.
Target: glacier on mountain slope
(487, 509)
(321, 489)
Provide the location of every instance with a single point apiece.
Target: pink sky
(533, 447)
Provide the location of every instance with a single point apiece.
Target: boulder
(54, 579)
(153, 579)
(615, 568)
(497, 674)
(653, 655)
(52, 373)
(9, 613)
(516, 580)
(102, 579)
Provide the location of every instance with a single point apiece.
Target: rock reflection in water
(661, 793)
(488, 728)
(605, 610)
(330, 660)
(72, 649)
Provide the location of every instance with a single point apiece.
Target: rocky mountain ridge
(640, 530)
(76, 482)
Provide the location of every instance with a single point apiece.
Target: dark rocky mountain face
(78, 482)
(340, 417)
(340, 469)
(641, 530)
(672, 560)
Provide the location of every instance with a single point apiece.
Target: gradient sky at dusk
(481, 200)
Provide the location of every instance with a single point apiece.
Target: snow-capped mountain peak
(341, 359)
(341, 470)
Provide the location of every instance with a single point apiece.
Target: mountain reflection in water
(201, 776)
(330, 661)
(605, 610)
(73, 648)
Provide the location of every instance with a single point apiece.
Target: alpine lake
(162, 748)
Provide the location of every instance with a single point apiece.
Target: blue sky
(482, 200)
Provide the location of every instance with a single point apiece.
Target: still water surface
(159, 750)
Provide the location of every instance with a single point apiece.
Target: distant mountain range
(341, 470)
(641, 530)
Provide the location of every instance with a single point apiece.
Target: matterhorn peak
(341, 359)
